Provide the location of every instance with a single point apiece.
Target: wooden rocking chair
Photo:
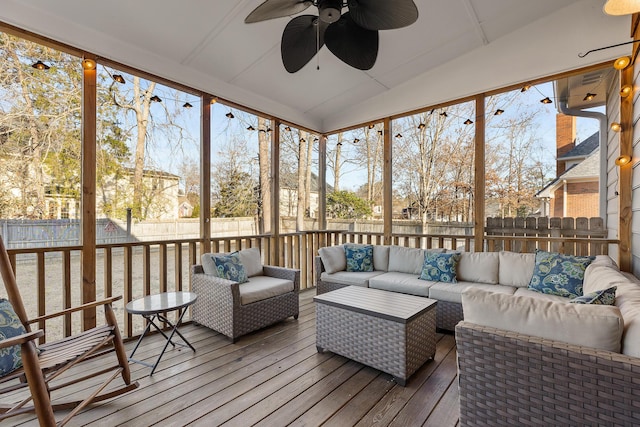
(42, 365)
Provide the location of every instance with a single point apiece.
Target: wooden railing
(49, 277)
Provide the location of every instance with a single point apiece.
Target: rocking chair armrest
(21, 339)
(106, 301)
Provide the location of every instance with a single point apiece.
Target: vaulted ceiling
(456, 48)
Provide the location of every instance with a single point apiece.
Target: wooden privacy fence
(572, 236)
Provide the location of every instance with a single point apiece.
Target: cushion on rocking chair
(10, 326)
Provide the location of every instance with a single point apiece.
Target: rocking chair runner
(41, 366)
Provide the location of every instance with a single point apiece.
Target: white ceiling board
(509, 60)
(206, 45)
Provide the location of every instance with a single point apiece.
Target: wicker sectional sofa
(397, 268)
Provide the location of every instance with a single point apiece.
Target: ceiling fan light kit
(352, 36)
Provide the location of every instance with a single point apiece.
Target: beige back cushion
(595, 326)
(628, 301)
(516, 269)
(406, 260)
(479, 267)
(251, 261)
(380, 258)
(333, 258)
(600, 276)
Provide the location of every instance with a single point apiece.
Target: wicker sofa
(235, 309)
(541, 361)
(397, 268)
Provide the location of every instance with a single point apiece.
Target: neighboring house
(575, 190)
(289, 195)
(185, 209)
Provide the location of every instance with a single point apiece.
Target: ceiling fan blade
(352, 44)
(301, 40)
(271, 9)
(383, 14)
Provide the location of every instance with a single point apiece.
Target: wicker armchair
(219, 305)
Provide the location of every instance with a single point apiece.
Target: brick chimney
(565, 139)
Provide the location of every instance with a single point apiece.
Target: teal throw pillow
(230, 267)
(359, 257)
(601, 297)
(440, 267)
(558, 274)
(10, 326)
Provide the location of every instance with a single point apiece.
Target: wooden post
(626, 173)
(479, 159)
(275, 193)
(88, 268)
(205, 175)
(322, 182)
(387, 183)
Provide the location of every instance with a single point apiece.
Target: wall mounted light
(622, 63)
(88, 64)
(623, 159)
(118, 78)
(40, 66)
(615, 126)
(589, 96)
(626, 90)
(621, 7)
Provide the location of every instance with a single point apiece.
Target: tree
(346, 205)
(233, 186)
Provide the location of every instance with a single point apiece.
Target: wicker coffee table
(389, 331)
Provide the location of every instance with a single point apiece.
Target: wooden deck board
(274, 377)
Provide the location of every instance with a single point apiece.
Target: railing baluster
(146, 270)
(66, 290)
(108, 272)
(128, 288)
(42, 297)
(178, 267)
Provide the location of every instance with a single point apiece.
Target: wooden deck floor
(275, 377)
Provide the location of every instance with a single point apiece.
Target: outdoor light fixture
(589, 96)
(399, 135)
(525, 88)
(288, 129)
(187, 105)
(615, 126)
(444, 114)
(623, 159)
(214, 100)
(303, 140)
(547, 100)
(268, 129)
(371, 126)
(621, 7)
(88, 64)
(40, 66)
(118, 78)
(250, 128)
(422, 126)
(380, 132)
(339, 144)
(468, 122)
(155, 98)
(230, 115)
(498, 112)
(626, 90)
(622, 63)
(356, 140)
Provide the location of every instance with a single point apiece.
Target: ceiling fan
(351, 36)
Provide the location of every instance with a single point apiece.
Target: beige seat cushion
(524, 292)
(516, 269)
(259, 288)
(481, 267)
(333, 258)
(595, 326)
(452, 292)
(355, 278)
(401, 282)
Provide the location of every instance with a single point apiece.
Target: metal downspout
(602, 136)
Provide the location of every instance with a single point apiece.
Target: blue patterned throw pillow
(10, 326)
(359, 257)
(230, 267)
(601, 297)
(440, 267)
(558, 274)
